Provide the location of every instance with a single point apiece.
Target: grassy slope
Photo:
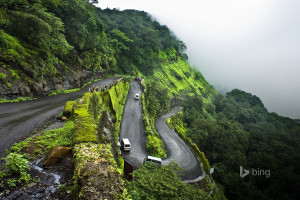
(179, 77)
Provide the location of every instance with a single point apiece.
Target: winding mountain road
(178, 151)
(132, 127)
(19, 120)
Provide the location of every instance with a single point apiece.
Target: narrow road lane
(178, 151)
(18, 120)
(132, 127)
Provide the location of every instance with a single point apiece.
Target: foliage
(139, 39)
(56, 137)
(155, 145)
(16, 100)
(243, 133)
(17, 164)
(3, 76)
(17, 147)
(152, 182)
(62, 91)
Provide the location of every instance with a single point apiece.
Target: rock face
(43, 87)
(55, 154)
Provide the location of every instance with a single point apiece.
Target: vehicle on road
(137, 96)
(125, 144)
(152, 159)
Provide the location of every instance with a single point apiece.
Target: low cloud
(251, 45)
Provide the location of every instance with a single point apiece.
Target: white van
(137, 96)
(152, 159)
(125, 144)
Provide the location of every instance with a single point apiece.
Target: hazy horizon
(249, 45)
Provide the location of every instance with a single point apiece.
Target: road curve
(132, 127)
(178, 151)
(18, 120)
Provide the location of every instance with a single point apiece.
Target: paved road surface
(132, 127)
(18, 120)
(178, 151)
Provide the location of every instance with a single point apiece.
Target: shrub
(16, 163)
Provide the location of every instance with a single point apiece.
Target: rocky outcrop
(44, 86)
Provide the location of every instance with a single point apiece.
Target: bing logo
(254, 172)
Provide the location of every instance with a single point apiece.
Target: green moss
(3, 76)
(17, 147)
(62, 91)
(84, 125)
(97, 173)
(118, 96)
(14, 74)
(56, 137)
(38, 145)
(68, 108)
(15, 100)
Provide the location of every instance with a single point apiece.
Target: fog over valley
(251, 45)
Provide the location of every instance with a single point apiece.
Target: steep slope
(49, 45)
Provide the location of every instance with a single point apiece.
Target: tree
(153, 182)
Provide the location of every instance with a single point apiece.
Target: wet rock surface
(48, 183)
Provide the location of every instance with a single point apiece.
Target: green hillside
(55, 45)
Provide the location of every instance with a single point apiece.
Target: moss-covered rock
(96, 173)
(68, 108)
(84, 125)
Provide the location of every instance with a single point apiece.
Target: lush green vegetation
(16, 164)
(243, 133)
(150, 50)
(95, 166)
(42, 39)
(15, 100)
(17, 161)
(40, 144)
(153, 182)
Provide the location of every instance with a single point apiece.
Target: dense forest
(243, 133)
(42, 40)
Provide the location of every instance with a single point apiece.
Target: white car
(125, 144)
(152, 159)
(137, 96)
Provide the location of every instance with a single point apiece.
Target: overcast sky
(253, 45)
